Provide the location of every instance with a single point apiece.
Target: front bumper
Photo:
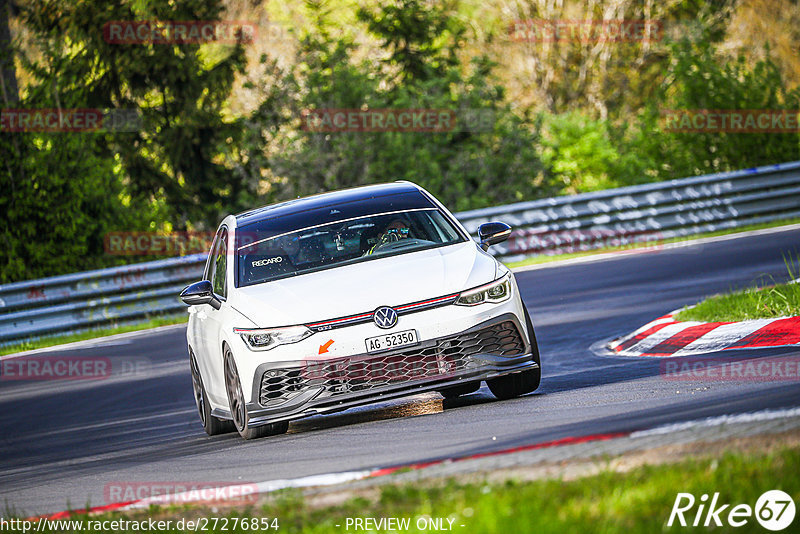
(295, 389)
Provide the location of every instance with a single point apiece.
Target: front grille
(351, 375)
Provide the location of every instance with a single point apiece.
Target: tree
(422, 36)
(8, 75)
(62, 192)
(464, 167)
(699, 79)
(180, 90)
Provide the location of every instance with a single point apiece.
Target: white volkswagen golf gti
(347, 298)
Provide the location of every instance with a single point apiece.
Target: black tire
(516, 384)
(212, 425)
(461, 389)
(233, 387)
(534, 344)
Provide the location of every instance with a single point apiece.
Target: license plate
(391, 341)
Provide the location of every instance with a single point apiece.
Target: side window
(218, 264)
(211, 254)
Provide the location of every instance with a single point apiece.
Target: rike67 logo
(774, 510)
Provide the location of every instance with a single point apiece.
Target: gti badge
(385, 317)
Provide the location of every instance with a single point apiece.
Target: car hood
(363, 287)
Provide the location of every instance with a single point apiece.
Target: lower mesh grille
(350, 375)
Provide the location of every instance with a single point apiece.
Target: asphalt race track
(62, 442)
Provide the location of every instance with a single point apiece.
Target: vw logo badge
(385, 317)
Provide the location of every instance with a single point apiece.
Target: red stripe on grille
(341, 320)
(404, 307)
(426, 302)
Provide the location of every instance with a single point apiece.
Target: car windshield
(262, 257)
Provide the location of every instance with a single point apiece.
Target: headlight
(497, 291)
(269, 338)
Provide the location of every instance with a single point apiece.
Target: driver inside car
(396, 230)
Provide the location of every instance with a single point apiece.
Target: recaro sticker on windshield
(267, 261)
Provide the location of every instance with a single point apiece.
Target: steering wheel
(403, 243)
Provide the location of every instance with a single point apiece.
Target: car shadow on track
(418, 405)
(613, 370)
(425, 404)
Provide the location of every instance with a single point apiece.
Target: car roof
(325, 200)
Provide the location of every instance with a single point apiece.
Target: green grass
(782, 300)
(778, 300)
(51, 341)
(542, 258)
(637, 501)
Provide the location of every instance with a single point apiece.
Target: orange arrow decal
(324, 348)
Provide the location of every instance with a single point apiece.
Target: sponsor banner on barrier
(552, 242)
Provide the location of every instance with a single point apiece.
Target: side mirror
(200, 293)
(492, 233)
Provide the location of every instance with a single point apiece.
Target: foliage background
(221, 123)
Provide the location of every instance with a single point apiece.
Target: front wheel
(461, 389)
(212, 425)
(516, 384)
(238, 410)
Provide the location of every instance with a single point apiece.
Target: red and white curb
(665, 336)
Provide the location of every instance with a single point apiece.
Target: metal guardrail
(648, 212)
(75, 302)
